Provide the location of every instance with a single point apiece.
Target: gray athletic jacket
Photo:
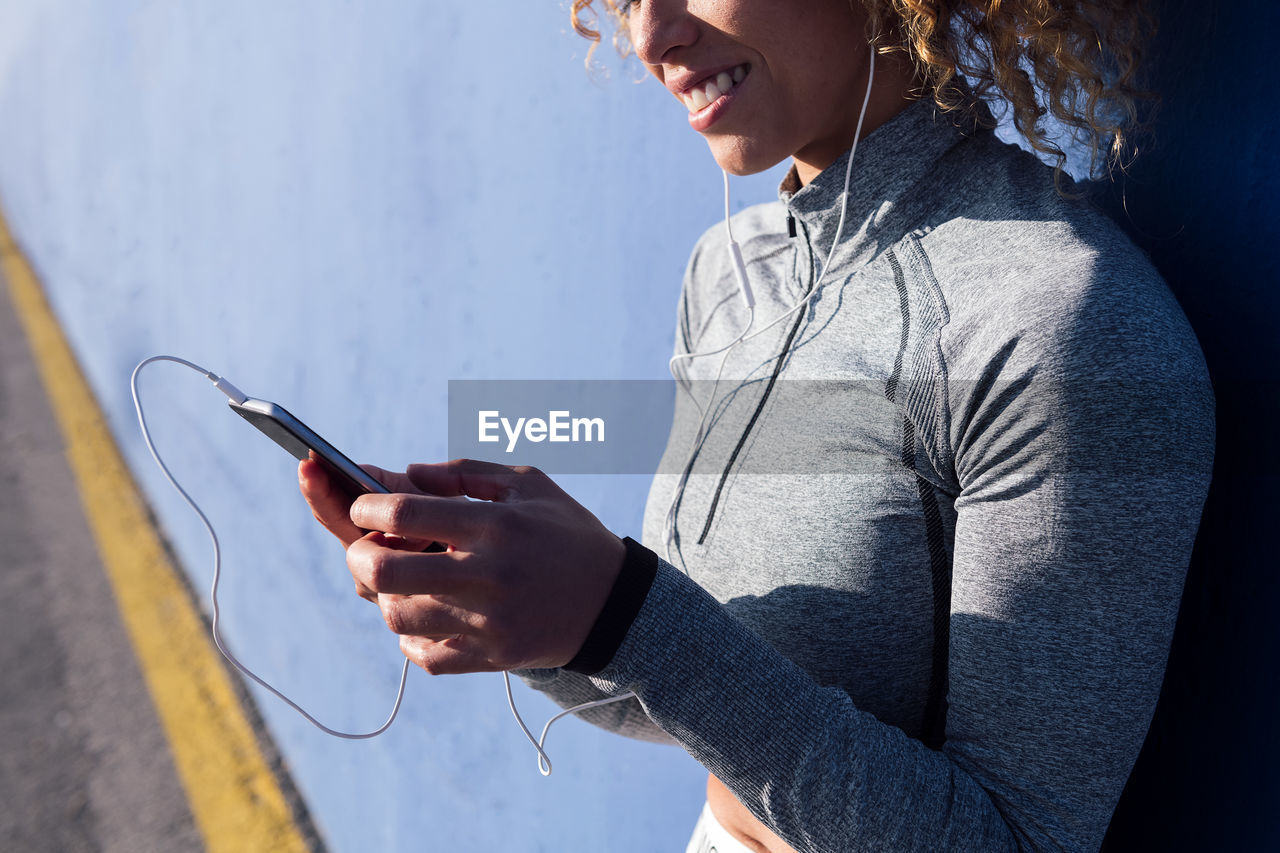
(924, 574)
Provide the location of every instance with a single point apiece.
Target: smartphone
(300, 440)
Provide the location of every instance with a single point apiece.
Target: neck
(894, 88)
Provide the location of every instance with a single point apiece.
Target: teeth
(699, 97)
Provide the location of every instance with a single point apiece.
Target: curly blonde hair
(1076, 61)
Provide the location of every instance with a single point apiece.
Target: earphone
(233, 393)
(544, 762)
(748, 296)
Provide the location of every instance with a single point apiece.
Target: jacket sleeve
(567, 689)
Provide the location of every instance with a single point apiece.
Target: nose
(657, 27)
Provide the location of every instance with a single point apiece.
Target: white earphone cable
(233, 393)
(668, 525)
(844, 208)
(544, 761)
(217, 564)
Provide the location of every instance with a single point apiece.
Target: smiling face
(763, 80)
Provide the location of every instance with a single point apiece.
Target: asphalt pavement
(84, 764)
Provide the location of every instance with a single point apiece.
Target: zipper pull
(791, 225)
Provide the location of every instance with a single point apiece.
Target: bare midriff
(740, 823)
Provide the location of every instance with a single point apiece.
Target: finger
(365, 593)
(329, 504)
(395, 481)
(487, 481)
(424, 616)
(423, 517)
(378, 564)
(401, 543)
(446, 657)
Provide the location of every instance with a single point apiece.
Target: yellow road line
(236, 801)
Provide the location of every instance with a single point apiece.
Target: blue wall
(340, 207)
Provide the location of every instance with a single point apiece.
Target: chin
(737, 158)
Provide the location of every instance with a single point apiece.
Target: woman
(946, 627)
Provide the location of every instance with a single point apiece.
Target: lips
(706, 92)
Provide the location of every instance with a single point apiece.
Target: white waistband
(710, 837)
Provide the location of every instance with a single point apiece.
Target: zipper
(764, 398)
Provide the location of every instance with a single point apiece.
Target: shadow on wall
(1205, 203)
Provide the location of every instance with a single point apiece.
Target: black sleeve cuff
(639, 568)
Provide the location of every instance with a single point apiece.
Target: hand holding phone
(454, 611)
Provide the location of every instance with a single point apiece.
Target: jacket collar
(890, 161)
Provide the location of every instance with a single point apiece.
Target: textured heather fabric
(1003, 389)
